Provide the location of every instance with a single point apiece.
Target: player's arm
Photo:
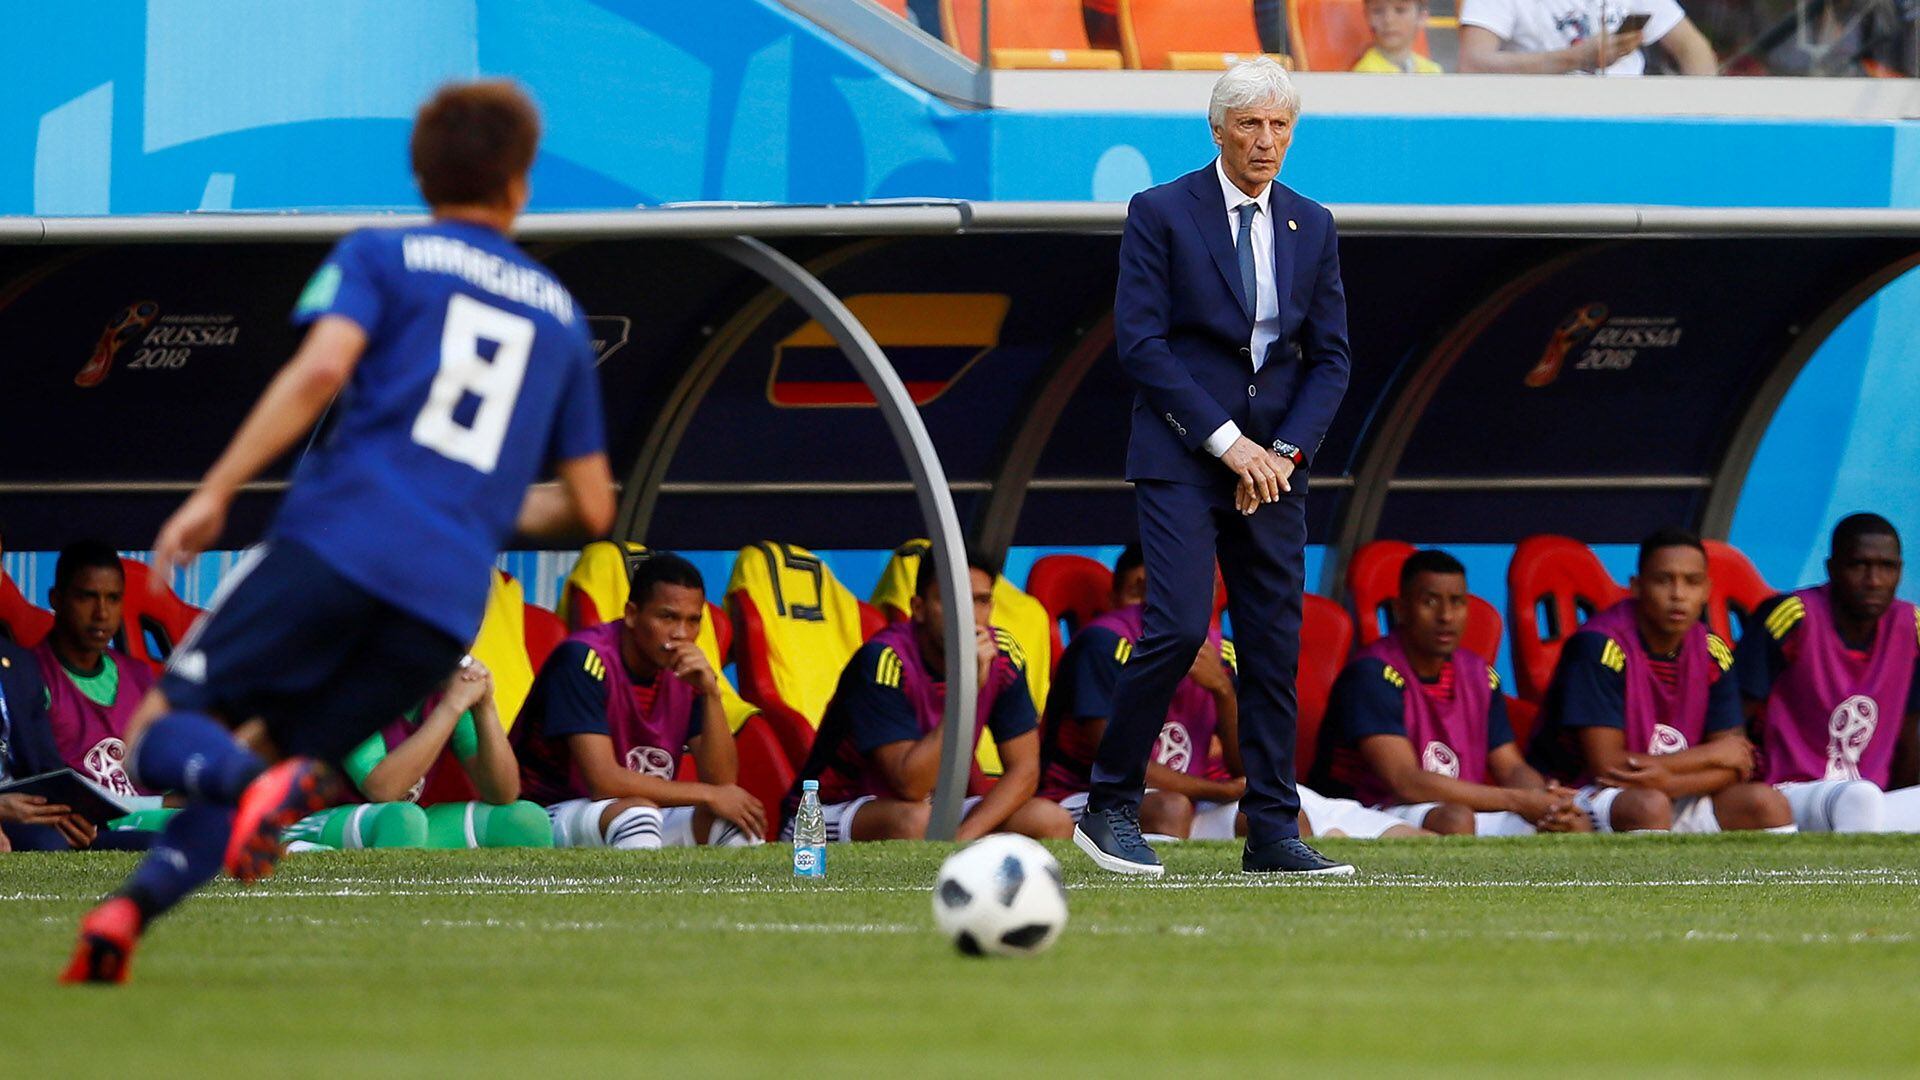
(712, 743)
(1215, 670)
(480, 743)
(1021, 757)
(1391, 758)
(1689, 50)
(288, 410)
(581, 500)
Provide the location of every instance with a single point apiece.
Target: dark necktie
(1249, 282)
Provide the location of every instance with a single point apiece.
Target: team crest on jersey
(1439, 758)
(1174, 749)
(1666, 740)
(650, 761)
(1849, 730)
(107, 761)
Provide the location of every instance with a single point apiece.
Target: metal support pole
(936, 505)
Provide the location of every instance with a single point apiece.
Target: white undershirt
(1266, 315)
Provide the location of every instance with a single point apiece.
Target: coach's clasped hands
(1264, 475)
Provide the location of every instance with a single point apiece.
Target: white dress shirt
(1266, 314)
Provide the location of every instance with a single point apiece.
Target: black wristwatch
(1291, 452)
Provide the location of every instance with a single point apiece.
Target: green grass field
(1576, 955)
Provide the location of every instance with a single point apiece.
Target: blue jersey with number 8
(478, 374)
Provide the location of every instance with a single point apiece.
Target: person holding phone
(1560, 37)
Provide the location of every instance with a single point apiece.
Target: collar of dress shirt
(1235, 196)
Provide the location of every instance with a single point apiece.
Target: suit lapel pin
(1292, 224)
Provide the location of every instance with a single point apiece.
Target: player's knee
(519, 824)
(1045, 819)
(1858, 806)
(893, 820)
(1449, 819)
(1752, 806)
(1167, 814)
(397, 825)
(1642, 809)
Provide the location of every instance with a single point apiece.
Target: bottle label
(810, 861)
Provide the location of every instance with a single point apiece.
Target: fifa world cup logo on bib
(1849, 730)
(1666, 740)
(650, 761)
(1438, 757)
(106, 761)
(1174, 748)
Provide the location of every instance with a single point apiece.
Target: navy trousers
(1183, 527)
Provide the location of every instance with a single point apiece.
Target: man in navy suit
(1231, 321)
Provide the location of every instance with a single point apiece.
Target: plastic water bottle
(809, 834)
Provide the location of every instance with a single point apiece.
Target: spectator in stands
(442, 776)
(1556, 37)
(877, 755)
(1847, 38)
(1192, 791)
(1829, 674)
(92, 688)
(1103, 22)
(612, 711)
(1643, 715)
(27, 748)
(1417, 726)
(1396, 26)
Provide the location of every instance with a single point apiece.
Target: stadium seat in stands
(1187, 35)
(1373, 580)
(1013, 611)
(1738, 589)
(152, 625)
(1073, 588)
(20, 621)
(1553, 583)
(795, 628)
(764, 769)
(1326, 639)
(1330, 35)
(501, 644)
(1025, 34)
(596, 589)
(898, 7)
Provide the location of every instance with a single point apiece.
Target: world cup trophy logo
(650, 761)
(1849, 730)
(1666, 740)
(1439, 758)
(119, 330)
(1174, 749)
(107, 762)
(1572, 330)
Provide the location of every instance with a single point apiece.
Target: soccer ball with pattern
(1000, 896)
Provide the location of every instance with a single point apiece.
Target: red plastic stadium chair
(544, 632)
(20, 621)
(1326, 639)
(1026, 34)
(1070, 587)
(1738, 589)
(1373, 580)
(1331, 35)
(764, 769)
(152, 625)
(1188, 35)
(1552, 583)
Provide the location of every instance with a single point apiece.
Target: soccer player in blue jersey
(463, 369)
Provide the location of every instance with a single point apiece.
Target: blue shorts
(322, 661)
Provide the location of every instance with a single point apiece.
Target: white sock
(725, 833)
(1783, 829)
(636, 828)
(1856, 807)
(1900, 810)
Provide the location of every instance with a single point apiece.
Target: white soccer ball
(1000, 896)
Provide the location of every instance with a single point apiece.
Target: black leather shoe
(1290, 856)
(1111, 838)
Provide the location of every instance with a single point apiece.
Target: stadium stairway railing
(1553, 584)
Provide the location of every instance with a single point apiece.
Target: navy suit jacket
(1182, 328)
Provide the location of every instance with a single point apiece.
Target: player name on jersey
(429, 253)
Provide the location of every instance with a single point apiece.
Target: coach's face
(1253, 143)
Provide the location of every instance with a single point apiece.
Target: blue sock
(185, 857)
(190, 752)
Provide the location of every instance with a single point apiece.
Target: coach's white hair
(1255, 83)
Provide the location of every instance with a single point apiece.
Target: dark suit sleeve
(1324, 351)
(1142, 316)
(33, 748)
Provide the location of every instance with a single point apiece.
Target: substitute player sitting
(1417, 726)
(1643, 716)
(93, 689)
(442, 776)
(877, 755)
(463, 371)
(1183, 800)
(612, 711)
(1829, 674)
